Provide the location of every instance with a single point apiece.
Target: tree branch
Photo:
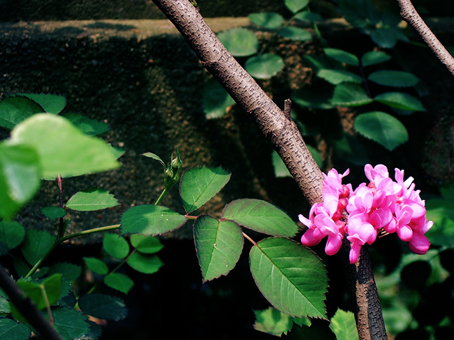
(411, 16)
(278, 128)
(26, 307)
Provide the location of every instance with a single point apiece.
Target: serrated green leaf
(95, 331)
(240, 42)
(150, 220)
(115, 245)
(294, 33)
(401, 101)
(119, 282)
(53, 212)
(146, 244)
(48, 291)
(103, 306)
(350, 94)
(216, 100)
(307, 16)
(339, 76)
(92, 199)
(87, 125)
(96, 265)
(290, 277)
(314, 98)
(218, 244)
(441, 212)
(155, 157)
(69, 271)
(63, 149)
(296, 5)
(271, 21)
(373, 58)
(343, 324)
(393, 78)
(36, 244)
(260, 216)
(264, 66)
(342, 56)
(117, 152)
(11, 233)
(70, 323)
(14, 110)
(272, 321)
(145, 263)
(199, 185)
(382, 128)
(20, 177)
(51, 103)
(11, 330)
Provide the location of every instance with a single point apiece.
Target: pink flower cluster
(382, 205)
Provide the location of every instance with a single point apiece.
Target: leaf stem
(248, 238)
(163, 193)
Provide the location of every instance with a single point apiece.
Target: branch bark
(26, 307)
(411, 16)
(280, 131)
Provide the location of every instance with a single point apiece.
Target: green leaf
(36, 244)
(117, 152)
(115, 245)
(218, 244)
(70, 323)
(393, 78)
(441, 212)
(387, 37)
(14, 110)
(103, 306)
(150, 220)
(308, 16)
(51, 103)
(40, 293)
(53, 212)
(11, 233)
(339, 76)
(264, 66)
(96, 265)
(21, 267)
(199, 185)
(314, 98)
(373, 58)
(20, 177)
(92, 199)
(119, 282)
(144, 263)
(69, 271)
(146, 244)
(291, 277)
(216, 100)
(280, 170)
(296, 5)
(272, 321)
(260, 216)
(350, 94)
(63, 149)
(350, 149)
(315, 331)
(11, 330)
(87, 125)
(155, 157)
(400, 100)
(4, 306)
(271, 21)
(382, 128)
(342, 56)
(316, 155)
(343, 324)
(294, 33)
(240, 42)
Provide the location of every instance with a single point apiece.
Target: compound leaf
(264, 66)
(92, 199)
(11, 233)
(36, 244)
(144, 263)
(51, 103)
(240, 42)
(339, 76)
(342, 56)
(14, 110)
(401, 101)
(70, 323)
(350, 94)
(69, 271)
(115, 245)
(294, 33)
(12, 330)
(119, 282)
(146, 244)
(393, 78)
(87, 125)
(296, 5)
(271, 21)
(373, 58)
(53, 212)
(96, 265)
(103, 306)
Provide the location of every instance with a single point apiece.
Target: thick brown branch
(279, 130)
(26, 307)
(411, 16)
